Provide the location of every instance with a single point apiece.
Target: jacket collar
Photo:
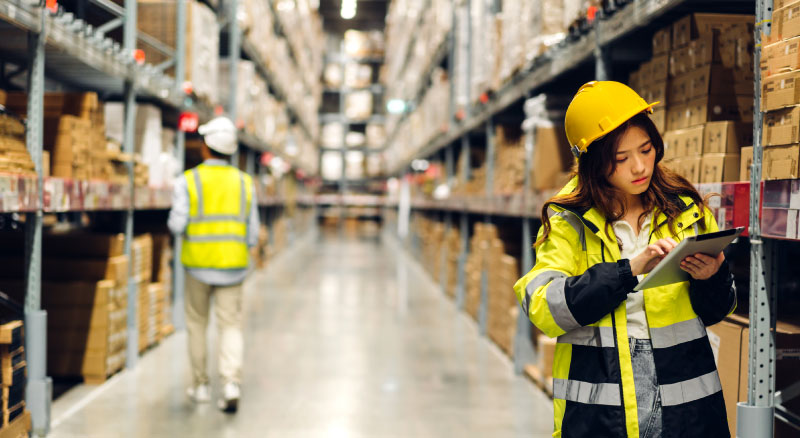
(596, 222)
(216, 162)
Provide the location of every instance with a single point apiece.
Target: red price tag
(188, 122)
(266, 158)
(52, 6)
(188, 87)
(591, 13)
(218, 110)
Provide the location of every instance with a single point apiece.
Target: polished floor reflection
(345, 337)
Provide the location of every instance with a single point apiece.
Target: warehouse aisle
(345, 338)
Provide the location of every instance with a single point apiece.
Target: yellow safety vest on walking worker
(219, 204)
(567, 295)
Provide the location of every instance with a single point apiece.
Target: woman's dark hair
(598, 163)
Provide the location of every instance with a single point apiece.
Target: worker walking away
(627, 364)
(214, 208)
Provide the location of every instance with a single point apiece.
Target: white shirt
(632, 246)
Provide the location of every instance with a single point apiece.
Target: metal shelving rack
(754, 417)
(70, 51)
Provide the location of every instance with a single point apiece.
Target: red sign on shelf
(52, 6)
(139, 56)
(188, 121)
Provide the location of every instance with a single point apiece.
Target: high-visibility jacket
(576, 292)
(219, 205)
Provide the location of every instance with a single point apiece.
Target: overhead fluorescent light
(348, 9)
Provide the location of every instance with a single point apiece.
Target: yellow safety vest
(593, 384)
(219, 203)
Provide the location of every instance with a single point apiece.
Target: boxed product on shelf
(159, 20)
(56, 104)
(780, 57)
(332, 165)
(510, 159)
(358, 105)
(729, 341)
(696, 25)
(781, 162)
(702, 110)
(376, 135)
(68, 140)
(14, 156)
(720, 167)
(779, 91)
(781, 126)
(355, 165)
(142, 257)
(453, 244)
(14, 370)
(360, 44)
(357, 75)
(727, 137)
(503, 306)
(332, 135)
(246, 76)
(746, 163)
(785, 22)
(662, 41)
(332, 75)
(552, 158)
(685, 142)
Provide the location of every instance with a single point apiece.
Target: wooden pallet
(18, 428)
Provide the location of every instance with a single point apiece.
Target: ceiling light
(348, 9)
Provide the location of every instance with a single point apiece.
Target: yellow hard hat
(598, 108)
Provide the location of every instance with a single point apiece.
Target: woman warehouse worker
(635, 364)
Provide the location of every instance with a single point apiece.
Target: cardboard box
(720, 168)
(679, 89)
(785, 22)
(780, 57)
(680, 61)
(551, 148)
(672, 146)
(659, 68)
(656, 92)
(704, 51)
(677, 116)
(746, 163)
(781, 126)
(709, 80)
(745, 105)
(711, 109)
(781, 162)
(727, 137)
(662, 41)
(659, 118)
(693, 26)
(780, 90)
(726, 343)
(692, 168)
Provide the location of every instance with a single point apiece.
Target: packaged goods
(780, 57)
(159, 20)
(785, 22)
(746, 163)
(781, 162)
(358, 105)
(720, 168)
(780, 91)
(332, 135)
(693, 26)
(727, 137)
(662, 41)
(691, 168)
(376, 135)
(781, 126)
(357, 75)
(333, 75)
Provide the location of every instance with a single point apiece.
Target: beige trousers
(228, 312)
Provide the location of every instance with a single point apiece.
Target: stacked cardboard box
(780, 70)
(475, 267)
(14, 156)
(73, 133)
(452, 243)
(552, 158)
(158, 18)
(509, 173)
(162, 277)
(709, 94)
(85, 295)
(730, 344)
(503, 307)
(13, 370)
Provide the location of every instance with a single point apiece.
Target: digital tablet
(668, 270)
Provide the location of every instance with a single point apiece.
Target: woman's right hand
(649, 258)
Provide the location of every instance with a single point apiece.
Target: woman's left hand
(701, 266)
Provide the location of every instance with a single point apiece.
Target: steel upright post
(756, 416)
(461, 276)
(234, 53)
(129, 39)
(523, 346)
(483, 313)
(39, 390)
(179, 280)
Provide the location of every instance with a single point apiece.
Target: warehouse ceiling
(370, 15)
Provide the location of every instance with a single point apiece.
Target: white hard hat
(220, 135)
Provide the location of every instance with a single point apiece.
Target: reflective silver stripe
(678, 333)
(217, 218)
(696, 231)
(576, 223)
(216, 238)
(690, 390)
(557, 302)
(735, 298)
(243, 206)
(540, 280)
(589, 336)
(588, 393)
(199, 187)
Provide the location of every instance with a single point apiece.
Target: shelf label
(52, 6)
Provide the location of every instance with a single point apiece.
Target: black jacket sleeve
(714, 298)
(598, 291)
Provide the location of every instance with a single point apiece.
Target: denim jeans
(648, 397)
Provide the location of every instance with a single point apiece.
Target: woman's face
(635, 159)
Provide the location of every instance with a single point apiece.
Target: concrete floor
(345, 337)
